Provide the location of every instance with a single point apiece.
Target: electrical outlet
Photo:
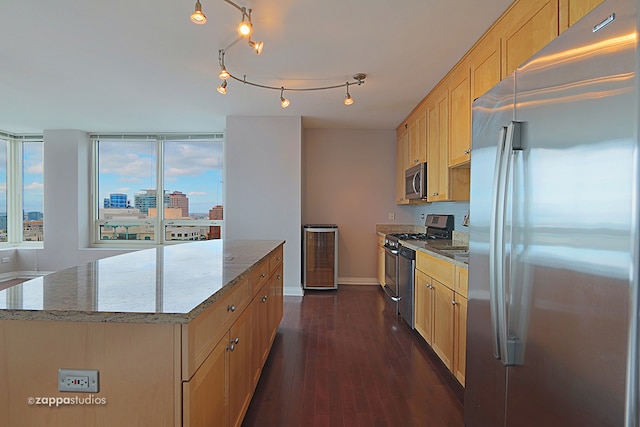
(6, 259)
(78, 380)
(392, 216)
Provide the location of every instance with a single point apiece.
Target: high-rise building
(178, 199)
(215, 213)
(116, 200)
(147, 199)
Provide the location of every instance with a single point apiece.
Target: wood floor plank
(343, 358)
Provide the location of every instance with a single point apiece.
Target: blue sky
(32, 178)
(194, 168)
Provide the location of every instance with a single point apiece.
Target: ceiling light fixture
(284, 102)
(197, 17)
(224, 74)
(257, 46)
(223, 87)
(348, 100)
(246, 29)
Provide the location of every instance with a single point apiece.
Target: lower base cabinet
(219, 392)
(204, 396)
(441, 310)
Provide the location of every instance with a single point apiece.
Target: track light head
(284, 102)
(245, 28)
(197, 17)
(257, 46)
(348, 100)
(224, 74)
(223, 87)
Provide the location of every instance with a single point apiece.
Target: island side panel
(138, 369)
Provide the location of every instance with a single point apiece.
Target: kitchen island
(179, 335)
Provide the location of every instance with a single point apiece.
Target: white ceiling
(142, 66)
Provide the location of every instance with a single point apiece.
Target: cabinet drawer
(258, 277)
(275, 259)
(441, 270)
(462, 281)
(201, 334)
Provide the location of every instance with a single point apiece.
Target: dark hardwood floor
(342, 358)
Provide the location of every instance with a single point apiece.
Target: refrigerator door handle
(495, 236)
(505, 346)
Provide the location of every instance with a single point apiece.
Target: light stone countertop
(169, 284)
(431, 248)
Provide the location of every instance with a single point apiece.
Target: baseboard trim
(293, 292)
(363, 281)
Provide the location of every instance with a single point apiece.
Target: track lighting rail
(245, 29)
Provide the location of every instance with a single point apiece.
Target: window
(21, 188)
(158, 189)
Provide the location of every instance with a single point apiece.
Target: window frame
(159, 223)
(15, 189)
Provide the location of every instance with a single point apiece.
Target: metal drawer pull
(231, 308)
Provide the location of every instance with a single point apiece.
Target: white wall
(263, 186)
(348, 180)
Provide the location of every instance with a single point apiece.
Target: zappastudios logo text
(70, 400)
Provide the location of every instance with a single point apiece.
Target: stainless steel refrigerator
(552, 332)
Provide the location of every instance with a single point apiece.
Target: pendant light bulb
(223, 87)
(348, 100)
(244, 28)
(224, 74)
(284, 102)
(197, 17)
(257, 46)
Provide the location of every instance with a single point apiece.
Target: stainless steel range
(399, 262)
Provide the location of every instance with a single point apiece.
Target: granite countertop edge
(133, 317)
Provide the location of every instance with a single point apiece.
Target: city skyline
(193, 168)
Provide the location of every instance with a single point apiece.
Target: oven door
(391, 272)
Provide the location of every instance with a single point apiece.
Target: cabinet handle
(468, 151)
(231, 308)
(236, 340)
(454, 303)
(264, 298)
(262, 275)
(279, 277)
(231, 347)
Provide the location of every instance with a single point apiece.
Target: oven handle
(391, 251)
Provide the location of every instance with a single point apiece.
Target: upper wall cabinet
(572, 10)
(526, 28)
(444, 116)
(418, 137)
(485, 60)
(402, 155)
(460, 114)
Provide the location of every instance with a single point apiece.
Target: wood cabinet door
(433, 149)
(437, 145)
(443, 322)
(460, 115)
(275, 306)
(204, 400)
(571, 11)
(423, 306)
(402, 147)
(460, 338)
(259, 333)
(443, 142)
(240, 372)
(527, 28)
(485, 65)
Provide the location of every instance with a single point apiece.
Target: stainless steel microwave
(415, 182)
